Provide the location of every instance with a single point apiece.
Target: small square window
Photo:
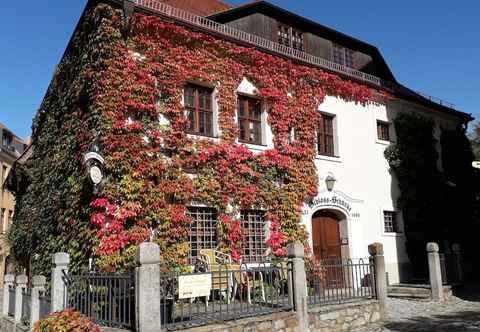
(390, 222)
(383, 131)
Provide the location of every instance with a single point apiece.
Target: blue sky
(431, 46)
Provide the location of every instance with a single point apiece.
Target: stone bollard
(296, 256)
(147, 286)
(376, 252)
(59, 282)
(21, 283)
(38, 285)
(435, 272)
(9, 282)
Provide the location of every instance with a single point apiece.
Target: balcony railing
(263, 43)
(268, 45)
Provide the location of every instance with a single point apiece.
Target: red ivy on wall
(149, 161)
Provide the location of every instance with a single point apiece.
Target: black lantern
(330, 182)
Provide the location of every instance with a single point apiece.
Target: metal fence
(26, 305)
(340, 281)
(11, 301)
(45, 303)
(450, 268)
(234, 292)
(107, 298)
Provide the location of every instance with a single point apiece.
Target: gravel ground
(462, 313)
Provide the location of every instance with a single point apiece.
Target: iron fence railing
(234, 292)
(45, 303)
(340, 281)
(26, 305)
(107, 298)
(11, 301)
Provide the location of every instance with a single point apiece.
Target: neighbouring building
(242, 131)
(11, 147)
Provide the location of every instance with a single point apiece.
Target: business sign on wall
(334, 200)
(330, 201)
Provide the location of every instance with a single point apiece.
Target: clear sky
(431, 46)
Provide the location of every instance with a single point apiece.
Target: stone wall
(8, 324)
(343, 317)
(325, 318)
(278, 322)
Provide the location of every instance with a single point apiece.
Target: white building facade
(357, 196)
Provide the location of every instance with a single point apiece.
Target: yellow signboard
(476, 164)
(198, 285)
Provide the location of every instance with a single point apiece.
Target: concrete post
(21, 283)
(9, 282)
(59, 271)
(147, 286)
(296, 255)
(38, 285)
(457, 259)
(376, 253)
(435, 271)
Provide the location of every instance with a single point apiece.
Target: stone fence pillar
(59, 271)
(376, 253)
(38, 285)
(296, 255)
(147, 286)
(9, 282)
(435, 271)
(21, 283)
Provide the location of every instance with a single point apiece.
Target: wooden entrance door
(327, 248)
(326, 237)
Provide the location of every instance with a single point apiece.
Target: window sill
(382, 142)
(328, 158)
(388, 234)
(199, 136)
(254, 147)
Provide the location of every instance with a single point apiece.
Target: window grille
(203, 231)
(250, 120)
(198, 103)
(325, 136)
(390, 221)
(253, 229)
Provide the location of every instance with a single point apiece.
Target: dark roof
(395, 88)
(306, 25)
(199, 7)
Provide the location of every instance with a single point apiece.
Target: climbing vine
(436, 202)
(130, 92)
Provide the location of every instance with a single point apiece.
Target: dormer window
(7, 138)
(343, 56)
(290, 37)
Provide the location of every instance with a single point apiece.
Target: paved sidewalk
(460, 314)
